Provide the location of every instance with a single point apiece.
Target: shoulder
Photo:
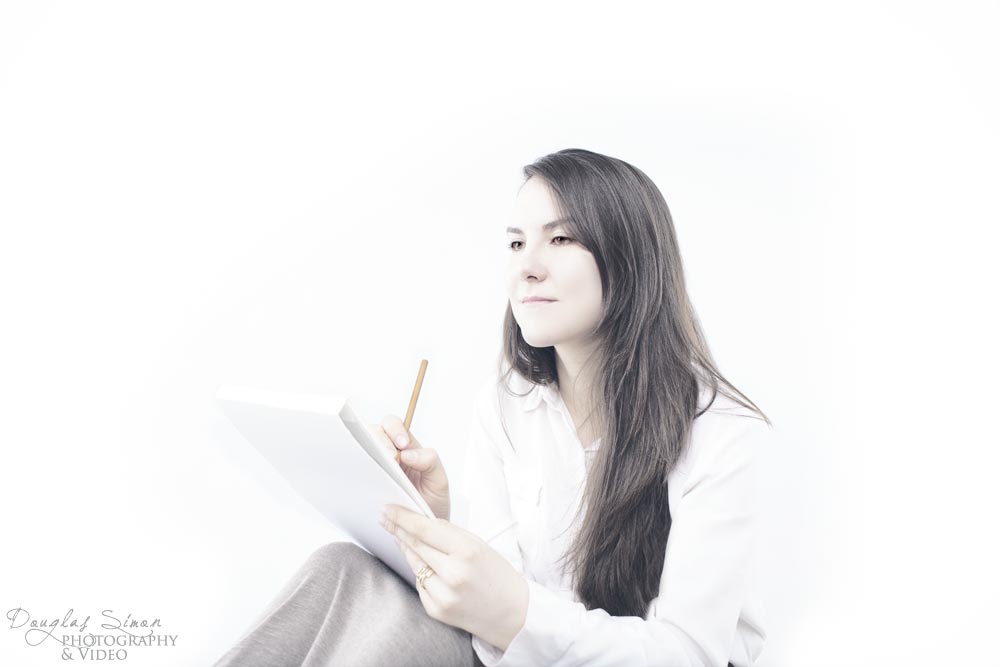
(720, 411)
(727, 437)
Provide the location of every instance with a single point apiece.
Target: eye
(566, 238)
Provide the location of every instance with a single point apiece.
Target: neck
(576, 376)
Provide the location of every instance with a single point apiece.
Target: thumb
(419, 459)
(425, 461)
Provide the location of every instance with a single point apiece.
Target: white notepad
(328, 455)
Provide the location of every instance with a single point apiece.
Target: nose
(530, 265)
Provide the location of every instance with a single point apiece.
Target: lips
(536, 299)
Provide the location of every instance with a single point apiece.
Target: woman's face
(545, 262)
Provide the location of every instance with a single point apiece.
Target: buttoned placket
(572, 483)
(555, 400)
(577, 456)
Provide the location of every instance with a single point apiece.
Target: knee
(338, 555)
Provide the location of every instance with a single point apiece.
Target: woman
(608, 430)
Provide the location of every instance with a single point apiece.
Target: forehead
(534, 206)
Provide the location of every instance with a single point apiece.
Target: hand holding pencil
(421, 464)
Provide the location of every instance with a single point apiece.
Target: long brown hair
(651, 364)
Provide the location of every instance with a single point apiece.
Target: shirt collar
(539, 393)
(549, 394)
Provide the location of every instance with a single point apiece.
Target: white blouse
(522, 494)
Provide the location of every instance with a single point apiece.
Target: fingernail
(402, 440)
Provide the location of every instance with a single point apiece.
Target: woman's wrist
(513, 619)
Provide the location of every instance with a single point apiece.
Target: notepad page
(320, 446)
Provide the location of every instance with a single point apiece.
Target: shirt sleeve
(692, 622)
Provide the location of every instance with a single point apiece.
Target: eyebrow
(546, 227)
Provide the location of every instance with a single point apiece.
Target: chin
(538, 339)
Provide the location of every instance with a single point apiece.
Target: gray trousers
(346, 607)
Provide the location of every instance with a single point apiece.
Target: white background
(311, 198)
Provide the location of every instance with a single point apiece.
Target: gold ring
(425, 573)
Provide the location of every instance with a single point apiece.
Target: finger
(398, 433)
(438, 561)
(413, 559)
(382, 438)
(430, 592)
(437, 533)
(424, 460)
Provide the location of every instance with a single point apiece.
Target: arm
(693, 621)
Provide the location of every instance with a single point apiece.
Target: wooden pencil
(413, 399)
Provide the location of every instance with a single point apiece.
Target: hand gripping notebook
(324, 450)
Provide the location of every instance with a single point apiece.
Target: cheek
(586, 281)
